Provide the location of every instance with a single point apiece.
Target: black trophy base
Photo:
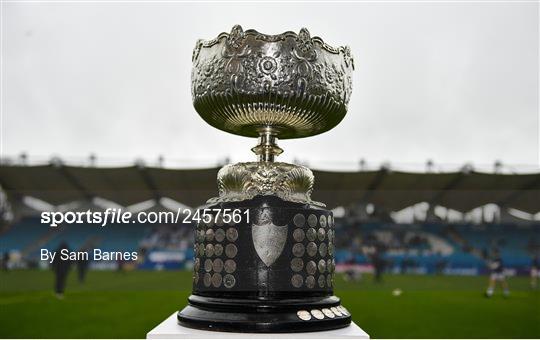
(255, 316)
(270, 273)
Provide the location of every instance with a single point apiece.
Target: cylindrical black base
(250, 316)
(271, 272)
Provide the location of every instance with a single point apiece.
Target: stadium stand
(432, 245)
(463, 190)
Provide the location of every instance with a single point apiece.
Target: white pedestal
(170, 329)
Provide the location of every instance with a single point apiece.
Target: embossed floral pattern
(347, 56)
(287, 65)
(267, 65)
(236, 37)
(243, 69)
(305, 45)
(197, 50)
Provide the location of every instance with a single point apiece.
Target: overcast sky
(452, 82)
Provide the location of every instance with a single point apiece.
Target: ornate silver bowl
(286, 86)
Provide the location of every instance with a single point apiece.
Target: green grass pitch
(128, 305)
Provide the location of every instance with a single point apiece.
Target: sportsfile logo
(120, 216)
(102, 218)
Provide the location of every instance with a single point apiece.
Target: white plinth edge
(170, 329)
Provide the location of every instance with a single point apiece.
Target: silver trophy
(278, 273)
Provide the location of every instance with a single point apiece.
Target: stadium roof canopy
(391, 190)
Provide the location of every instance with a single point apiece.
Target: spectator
(61, 270)
(82, 267)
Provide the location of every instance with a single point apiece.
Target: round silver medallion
(330, 249)
(230, 266)
(310, 281)
(322, 266)
(298, 235)
(322, 281)
(329, 280)
(231, 250)
(303, 315)
(209, 250)
(317, 314)
(216, 280)
(299, 220)
(336, 311)
(210, 235)
(330, 234)
(229, 281)
(208, 265)
(298, 249)
(219, 221)
(220, 235)
(207, 279)
(218, 265)
(343, 311)
(320, 234)
(311, 249)
(232, 234)
(201, 235)
(197, 264)
(322, 249)
(297, 264)
(322, 221)
(328, 313)
(311, 234)
(218, 249)
(297, 280)
(312, 220)
(311, 267)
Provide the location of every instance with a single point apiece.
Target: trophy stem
(267, 149)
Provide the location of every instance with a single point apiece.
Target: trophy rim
(345, 49)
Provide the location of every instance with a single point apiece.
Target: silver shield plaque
(269, 241)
